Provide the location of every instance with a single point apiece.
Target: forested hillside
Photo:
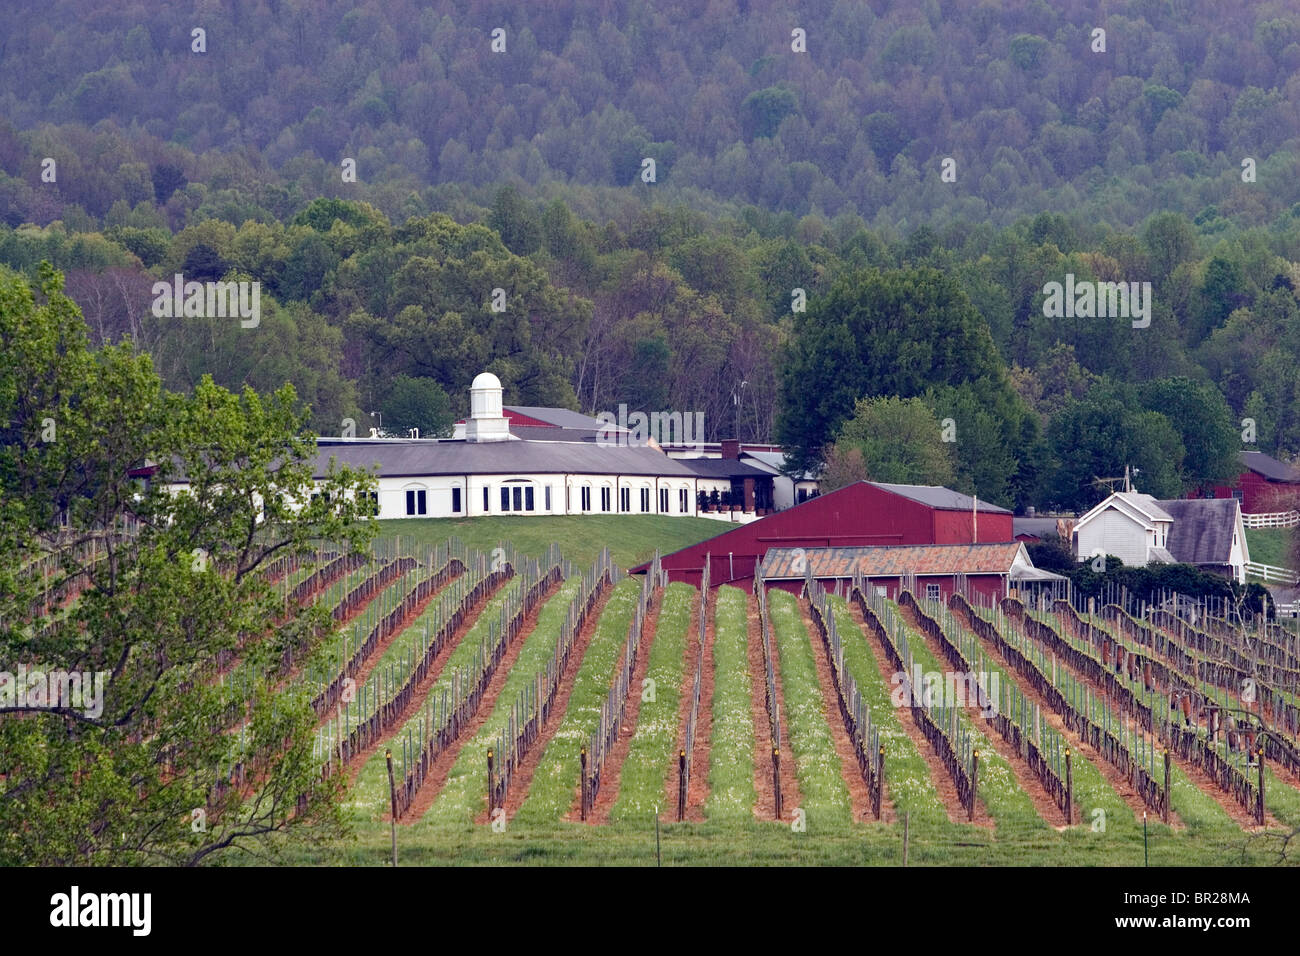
(127, 155)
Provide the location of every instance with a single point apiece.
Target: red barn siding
(855, 516)
(1259, 495)
(955, 527)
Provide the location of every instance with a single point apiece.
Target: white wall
(1113, 532)
(565, 494)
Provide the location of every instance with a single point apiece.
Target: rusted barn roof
(890, 561)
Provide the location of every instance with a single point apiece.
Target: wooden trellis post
(681, 785)
(582, 757)
(974, 776)
(1069, 789)
(776, 777)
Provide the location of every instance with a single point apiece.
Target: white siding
(1115, 533)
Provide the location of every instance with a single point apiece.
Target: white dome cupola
(487, 421)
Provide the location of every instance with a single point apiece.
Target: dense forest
(1171, 156)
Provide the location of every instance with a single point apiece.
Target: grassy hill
(631, 538)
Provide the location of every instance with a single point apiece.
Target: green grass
(1092, 792)
(555, 783)
(465, 793)
(369, 796)
(908, 783)
(1270, 546)
(631, 538)
(731, 746)
(823, 794)
(996, 786)
(645, 771)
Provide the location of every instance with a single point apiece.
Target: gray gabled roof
(1039, 527)
(415, 458)
(935, 496)
(1269, 467)
(775, 460)
(722, 468)
(561, 417)
(1202, 529)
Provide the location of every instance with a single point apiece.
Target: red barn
(865, 513)
(1264, 486)
(981, 572)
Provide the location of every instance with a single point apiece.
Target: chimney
(731, 448)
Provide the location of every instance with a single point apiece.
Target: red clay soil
(765, 804)
(422, 689)
(1196, 775)
(377, 653)
(436, 778)
(859, 794)
(305, 601)
(611, 777)
(1235, 700)
(697, 790)
(1043, 803)
(523, 776)
(1118, 782)
(944, 785)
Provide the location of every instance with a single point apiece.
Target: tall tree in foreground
(116, 776)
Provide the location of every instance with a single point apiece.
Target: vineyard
(505, 707)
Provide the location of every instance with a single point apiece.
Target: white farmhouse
(1140, 530)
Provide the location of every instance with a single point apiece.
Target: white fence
(1273, 519)
(1271, 573)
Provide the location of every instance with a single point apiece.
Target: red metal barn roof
(859, 515)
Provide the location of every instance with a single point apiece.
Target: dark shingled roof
(1039, 527)
(1202, 529)
(944, 499)
(893, 561)
(411, 458)
(1269, 467)
(722, 468)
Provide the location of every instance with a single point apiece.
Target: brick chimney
(731, 448)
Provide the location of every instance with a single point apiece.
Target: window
(485, 499)
(528, 497)
(683, 499)
(880, 591)
(1236, 493)
(663, 500)
(518, 496)
(604, 499)
(932, 592)
(548, 497)
(505, 499)
(645, 500)
(625, 500)
(455, 501)
(586, 498)
(371, 498)
(417, 501)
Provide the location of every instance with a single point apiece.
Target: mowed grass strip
(646, 768)
(822, 793)
(996, 785)
(555, 781)
(907, 776)
(370, 797)
(465, 793)
(731, 747)
(1092, 791)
